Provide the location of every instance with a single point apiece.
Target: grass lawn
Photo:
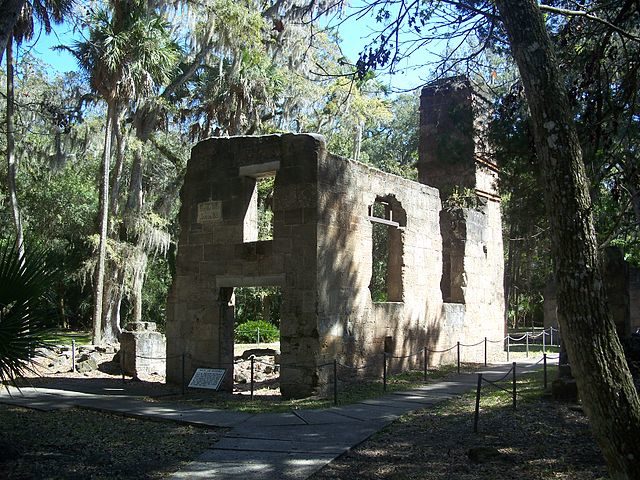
(64, 337)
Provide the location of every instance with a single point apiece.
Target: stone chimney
(453, 149)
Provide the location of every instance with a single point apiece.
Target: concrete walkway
(269, 446)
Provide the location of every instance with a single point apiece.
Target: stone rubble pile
(266, 366)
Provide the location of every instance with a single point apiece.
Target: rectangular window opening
(387, 251)
(258, 220)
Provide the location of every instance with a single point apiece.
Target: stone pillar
(143, 349)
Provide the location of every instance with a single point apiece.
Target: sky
(43, 48)
(355, 34)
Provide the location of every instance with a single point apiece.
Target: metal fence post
(258, 335)
(182, 382)
(544, 358)
(458, 345)
(122, 362)
(485, 351)
(335, 381)
(477, 414)
(544, 341)
(551, 330)
(526, 336)
(384, 371)
(508, 346)
(73, 355)
(426, 363)
(514, 385)
(253, 361)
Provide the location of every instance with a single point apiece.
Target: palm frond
(24, 287)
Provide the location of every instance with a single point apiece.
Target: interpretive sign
(209, 211)
(210, 378)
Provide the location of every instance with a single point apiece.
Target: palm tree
(128, 52)
(23, 29)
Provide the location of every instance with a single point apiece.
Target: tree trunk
(604, 382)
(138, 282)
(134, 198)
(357, 141)
(12, 162)
(116, 177)
(98, 285)
(112, 301)
(9, 11)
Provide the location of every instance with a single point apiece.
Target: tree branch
(580, 13)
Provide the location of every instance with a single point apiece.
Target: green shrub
(248, 332)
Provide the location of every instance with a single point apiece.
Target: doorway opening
(257, 334)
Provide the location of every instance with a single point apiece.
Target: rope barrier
(498, 387)
(516, 339)
(473, 344)
(501, 378)
(441, 351)
(419, 352)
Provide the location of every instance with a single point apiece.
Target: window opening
(387, 219)
(264, 186)
(258, 220)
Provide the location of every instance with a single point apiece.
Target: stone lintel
(259, 170)
(249, 281)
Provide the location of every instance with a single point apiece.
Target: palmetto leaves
(24, 285)
(130, 50)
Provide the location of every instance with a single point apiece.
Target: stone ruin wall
(355, 328)
(321, 257)
(218, 251)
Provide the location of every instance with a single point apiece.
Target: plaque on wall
(209, 378)
(209, 212)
